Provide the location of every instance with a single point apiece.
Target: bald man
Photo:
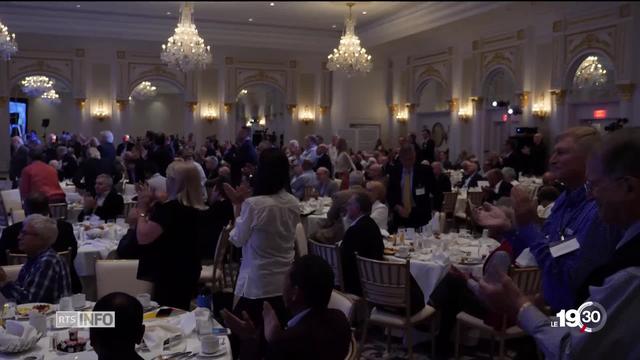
(325, 186)
(471, 175)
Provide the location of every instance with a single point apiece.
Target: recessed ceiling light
(272, 4)
(78, 5)
(250, 19)
(333, 26)
(168, 12)
(364, 13)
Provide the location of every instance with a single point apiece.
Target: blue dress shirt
(573, 215)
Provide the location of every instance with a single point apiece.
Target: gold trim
(227, 107)
(524, 98)
(122, 104)
(228, 60)
(80, 102)
(559, 95)
(520, 34)
(291, 108)
(557, 26)
(626, 91)
(453, 104)
(323, 109)
(79, 52)
(191, 105)
(120, 54)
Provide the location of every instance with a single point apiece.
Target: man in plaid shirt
(45, 276)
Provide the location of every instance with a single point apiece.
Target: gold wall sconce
(100, 114)
(211, 113)
(539, 111)
(400, 112)
(306, 115)
(464, 114)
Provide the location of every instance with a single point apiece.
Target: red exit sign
(600, 114)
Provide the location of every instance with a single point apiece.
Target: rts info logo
(590, 317)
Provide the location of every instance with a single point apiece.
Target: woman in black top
(214, 219)
(170, 256)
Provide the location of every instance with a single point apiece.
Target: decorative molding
(228, 60)
(291, 108)
(559, 95)
(323, 65)
(324, 109)
(227, 107)
(524, 98)
(520, 34)
(411, 107)
(293, 64)
(453, 104)
(625, 10)
(79, 52)
(122, 104)
(120, 54)
(191, 105)
(80, 102)
(626, 91)
(557, 26)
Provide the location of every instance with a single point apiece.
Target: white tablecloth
(43, 348)
(312, 222)
(429, 268)
(89, 250)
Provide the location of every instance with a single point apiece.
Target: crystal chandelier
(185, 50)
(350, 57)
(8, 44)
(144, 90)
(51, 97)
(590, 73)
(36, 85)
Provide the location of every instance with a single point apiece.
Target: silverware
(170, 356)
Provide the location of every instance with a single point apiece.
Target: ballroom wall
(535, 41)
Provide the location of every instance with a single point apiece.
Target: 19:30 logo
(590, 317)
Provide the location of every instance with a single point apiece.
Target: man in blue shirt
(573, 223)
(614, 181)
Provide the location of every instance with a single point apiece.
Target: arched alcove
(162, 109)
(30, 110)
(261, 105)
(499, 86)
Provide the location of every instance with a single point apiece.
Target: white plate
(402, 257)
(220, 352)
(173, 342)
(87, 305)
(85, 355)
(152, 306)
(52, 308)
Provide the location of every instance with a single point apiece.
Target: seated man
(379, 210)
(304, 177)
(498, 187)
(325, 186)
(45, 276)
(362, 237)
(470, 176)
(332, 229)
(107, 205)
(314, 332)
(120, 341)
(37, 203)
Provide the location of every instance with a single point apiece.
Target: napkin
(155, 334)
(16, 335)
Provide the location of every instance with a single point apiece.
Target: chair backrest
(449, 202)
(58, 211)
(120, 275)
(301, 241)
(383, 282)
(340, 302)
(19, 259)
(475, 197)
(128, 206)
(225, 271)
(528, 279)
(309, 192)
(330, 254)
(12, 271)
(17, 216)
(11, 199)
(129, 189)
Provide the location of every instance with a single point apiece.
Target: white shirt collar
(631, 232)
(296, 319)
(497, 187)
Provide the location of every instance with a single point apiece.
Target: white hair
(356, 178)
(106, 136)
(93, 153)
(508, 173)
(294, 143)
(45, 227)
(107, 178)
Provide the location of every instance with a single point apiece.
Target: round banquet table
(190, 342)
(312, 213)
(429, 266)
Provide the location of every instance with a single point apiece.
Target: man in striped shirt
(585, 241)
(45, 276)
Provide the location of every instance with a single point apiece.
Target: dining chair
(528, 280)
(19, 259)
(17, 216)
(11, 201)
(12, 271)
(120, 275)
(386, 285)
(224, 270)
(128, 206)
(330, 254)
(449, 206)
(58, 211)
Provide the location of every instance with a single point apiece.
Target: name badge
(564, 247)
(420, 191)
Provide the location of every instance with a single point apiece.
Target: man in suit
(471, 175)
(325, 186)
(37, 203)
(443, 184)
(512, 156)
(240, 154)
(304, 177)
(362, 237)
(125, 145)
(324, 160)
(314, 332)
(537, 155)
(107, 205)
(498, 188)
(428, 146)
(19, 160)
(410, 187)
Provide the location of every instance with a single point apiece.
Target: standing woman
(344, 164)
(265, 229)
(168, 233)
